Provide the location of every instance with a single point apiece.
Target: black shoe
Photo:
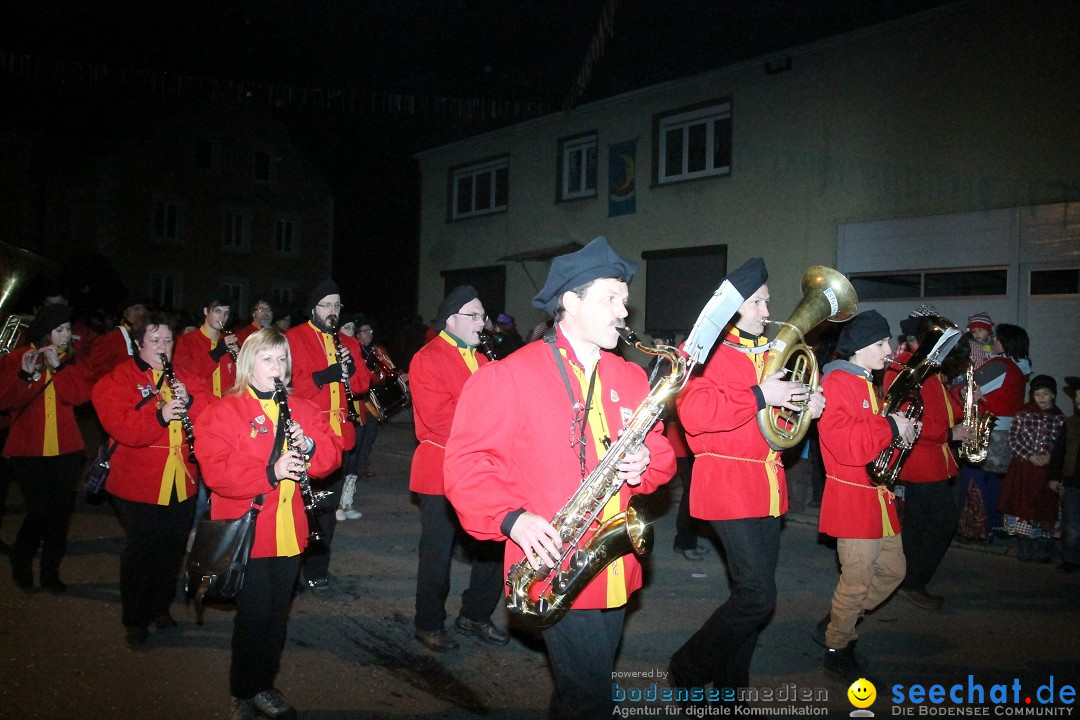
(273, 704)
(482, 629)
(923, 599)
(319, 585)
(164, 621)
(437, 640)
(56, 586)
(841, 663)
(694, 554)
(136, 636)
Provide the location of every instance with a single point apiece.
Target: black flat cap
(452, 303)
(749, 276)
(592, 262)
(863, 330)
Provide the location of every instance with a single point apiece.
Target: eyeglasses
(475, 316)
(330, 306)
(262, 308)
(367, 330)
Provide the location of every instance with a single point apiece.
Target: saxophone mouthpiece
(628, 335)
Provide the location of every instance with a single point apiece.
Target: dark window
(1055, 282)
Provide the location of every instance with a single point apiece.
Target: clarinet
(350, 399)
(235, 354)
(185, 421)
(310, 497)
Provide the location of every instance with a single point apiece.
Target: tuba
(17, 268)
(937, 336)
(827, 295)
(981, 423)
(546, 594)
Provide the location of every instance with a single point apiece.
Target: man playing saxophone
(560, 403)
(928, 511)
(738, 484)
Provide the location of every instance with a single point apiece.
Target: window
(263, 167)
(693, 142)
(281, 297)
(234, 290)
(207, 154)
(1055, 282)
(168, 221)
(986, 282)
(577, 167)
(166, 290)
(286, 237)
(234, 231)
(479, 189)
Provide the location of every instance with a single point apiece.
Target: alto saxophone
(628, 531)
(981, 424)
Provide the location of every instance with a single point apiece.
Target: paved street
(350, 652)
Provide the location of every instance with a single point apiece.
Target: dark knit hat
(592, 262)
(453, 302)
(1043, 381)
(1072, 384)
(749, 276)
(910, 326)
(326, 287)
(863, 330)
(48, 319)
(504, 319)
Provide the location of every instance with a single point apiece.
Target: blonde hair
(269, 338)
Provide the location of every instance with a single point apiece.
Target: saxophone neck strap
(756, 350)
(581, 412)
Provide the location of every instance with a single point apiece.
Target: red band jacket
(247, 331)
(852, 434)
(437, 373)
(1003, 386)
(108, 351)
(196, 355)
(44, 424)
(510, 449)
(736, 474)
(150, 463)
(312, 352)
(235, 440)
(931, 459)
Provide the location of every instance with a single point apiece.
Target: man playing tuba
(509, 472)
(738, 484)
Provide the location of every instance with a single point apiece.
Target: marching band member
(209, 352)
(44, 448)
(439, 371)
(320, 371)
(116, 346)
(152, 483)
(262, 315)
(738, 485)
(245, 454)
(509, 472)
(861, 516)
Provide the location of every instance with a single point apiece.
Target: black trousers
(686, 535)
(48, 486)
(260, 624)
(929, 516)
(582, 647)
(720, 652)
(439, 530)
(358, 459)
(156, 539)
(317, 554)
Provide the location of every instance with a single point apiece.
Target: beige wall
(967, 108)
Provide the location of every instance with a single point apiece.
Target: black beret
(748, 277)
(48, 319)
(326, 287)
(861, 331)
(453, 302)
(592, 262)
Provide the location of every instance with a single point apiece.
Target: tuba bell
(827, 295)
(17, 268)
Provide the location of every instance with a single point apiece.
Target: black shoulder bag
(219, 556)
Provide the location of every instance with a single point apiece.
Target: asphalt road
(351, 654)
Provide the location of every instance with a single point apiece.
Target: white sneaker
(340, 515)
(351, 513)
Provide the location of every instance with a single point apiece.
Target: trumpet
(310, 497)
(185, 420)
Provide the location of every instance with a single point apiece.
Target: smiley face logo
(862, 693)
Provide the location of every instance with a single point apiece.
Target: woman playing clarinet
(245, 454)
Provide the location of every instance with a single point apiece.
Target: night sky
(497, 50)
